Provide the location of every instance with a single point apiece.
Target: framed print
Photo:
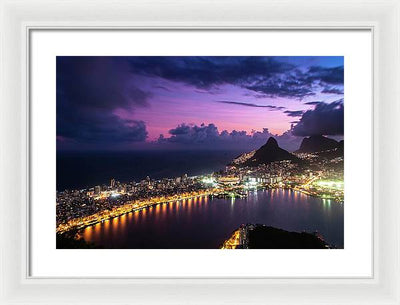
(190, 157)
(202, 153)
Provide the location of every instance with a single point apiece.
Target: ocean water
(78, 170)
(204, 223)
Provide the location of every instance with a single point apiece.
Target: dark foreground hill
(264, 237)
(70, 240)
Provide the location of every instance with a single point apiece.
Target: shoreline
(126, 208)
(64, 228)
(318, 196)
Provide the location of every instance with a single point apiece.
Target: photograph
(200, 152)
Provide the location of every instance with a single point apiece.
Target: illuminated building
(229, 180)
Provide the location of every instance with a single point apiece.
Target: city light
(209, 181)
(78, 209)
(330, 184)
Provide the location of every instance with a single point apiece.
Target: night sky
(137, 103)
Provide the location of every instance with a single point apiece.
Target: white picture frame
(18, 18)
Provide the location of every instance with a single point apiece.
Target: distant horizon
(156, 148)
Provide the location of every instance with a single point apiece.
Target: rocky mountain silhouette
(316, 144)
(270, 152)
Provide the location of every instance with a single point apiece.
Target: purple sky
(125, 103)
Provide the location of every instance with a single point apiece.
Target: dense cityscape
(317, 176)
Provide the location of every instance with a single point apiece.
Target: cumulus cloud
(209, 137)
(324, 119)
(89, 90)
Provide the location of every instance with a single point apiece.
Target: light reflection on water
(203, 223)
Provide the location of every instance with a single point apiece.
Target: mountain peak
(317, 143)
(270, 152)
(272, 142)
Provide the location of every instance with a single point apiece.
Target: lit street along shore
(205, 223)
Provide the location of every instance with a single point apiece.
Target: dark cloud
(324, 119)
(260, 95)
(180, 130)
(252, 105)
(208, 137)
(327, 75)
(204, 72)
(214, 91)
(256, 95)
(266, 76)
(294, 113)
(193, 134)
(101, 128)
(292, 84)
(89, 90)
(332, 90)
(162, 87)
(313, 103)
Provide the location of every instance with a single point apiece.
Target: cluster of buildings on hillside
(81, 203)
(73, 204)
